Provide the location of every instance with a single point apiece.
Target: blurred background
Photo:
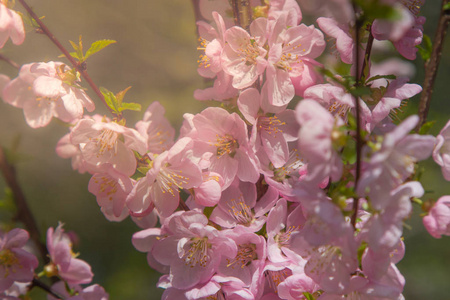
(156, 55)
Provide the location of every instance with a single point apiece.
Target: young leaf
(425, 48)
(380, 77)
(130, 106)
(110, 99)
(426, 127)
(121, 94)
(308, 296)
(97, 46)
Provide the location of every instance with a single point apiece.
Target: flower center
(203, 61)
(250, 53)
(284, 238)
(9, 260)
(226, 144)
(270, 124)
(198, 253)
(240, 211)
(413, 5)
(277, 277)
(108, 186)
(293, 164)
(245, 255)
(170, 179)
(106, 141)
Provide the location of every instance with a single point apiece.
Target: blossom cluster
(266, 197)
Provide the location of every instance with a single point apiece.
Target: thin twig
(431, 65)
(66, 53)
(358, 75)
(48, 289)
(23, 211)
(9, 61)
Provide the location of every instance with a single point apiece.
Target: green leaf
(110, 99)
(308, 296)
(426, 127)
(425, 48)
(381, 77)
(121, 94)
(78, 50)
(97, 46)
(360, 91)
(130, 106)
(446, 6)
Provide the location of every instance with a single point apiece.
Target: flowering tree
(295, 187)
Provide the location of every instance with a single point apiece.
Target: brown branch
(431, 65)
(242, 12)
(9, 61)
(45, 287)
(23, 211)
(66, 53)
(358, 76)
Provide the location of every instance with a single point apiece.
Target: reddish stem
(66, 53)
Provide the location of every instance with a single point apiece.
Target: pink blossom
(100, 142)
(437, 222)
(280, 227)
(243, 55)
(193, 250)
(111, 189)
(224, 135)
(341, 32)
(69, 268)
(250, 258)
(395, 161)
(92, 292)
(318, 132)
(156, 129)
(170, 171)
(271, 132)
(291, 48)
(238, 207)
(11, 26)
(41, 90)
(441, 152)
(16, 264)
(385, 100)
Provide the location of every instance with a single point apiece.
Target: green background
(156, 55)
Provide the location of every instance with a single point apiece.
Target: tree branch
(9, 61)
(81, 69)
(23, 211)
(431, 65)
(48, 289)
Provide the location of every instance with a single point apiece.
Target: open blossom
(170, 171)
(111, 189)
(437, 222)
(223, 135)
(291, 54)
(318, 130)
(271, 132)
(156, 129)
(193, 250)
(441, 152)
(92, 292)
(394, 162)
(341, 32)
(42, 91)
(16, 264)
(70, 268)
(243, 56)
(100, 142)
(11, 26)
